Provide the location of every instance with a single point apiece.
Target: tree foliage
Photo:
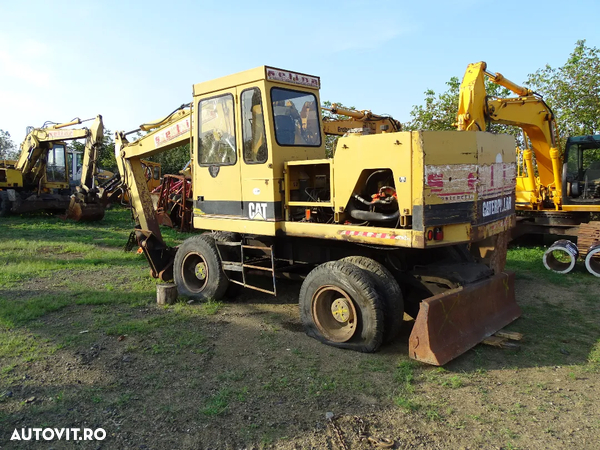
(573, 91)
(174, 160)
(438, 113)
(8, 149)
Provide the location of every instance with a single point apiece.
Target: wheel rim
(194, 272)
(334, 313)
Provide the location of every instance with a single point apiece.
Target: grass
(218, 403)
(68, 290)
(528, 264)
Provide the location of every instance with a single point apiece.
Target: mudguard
(453, 322)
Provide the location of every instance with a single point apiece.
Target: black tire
(340, 281)
(199, 253)
(389, 291)
(412, 302)
(4, 204)
(230, 254)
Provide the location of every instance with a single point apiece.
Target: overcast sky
(134, 62)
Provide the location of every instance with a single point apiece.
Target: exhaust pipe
(561, 256)
(592, 260)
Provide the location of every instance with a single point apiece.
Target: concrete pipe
(561, 256)
(592, 260)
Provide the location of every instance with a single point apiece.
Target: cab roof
(259, 73)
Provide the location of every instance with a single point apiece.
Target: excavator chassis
(450, 323)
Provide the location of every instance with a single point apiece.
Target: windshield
(55, 169)
(296, 118)
(583, 162)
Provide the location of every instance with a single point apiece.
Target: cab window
(296, 118)
(56, 170)
(216, 131)
(253, 127)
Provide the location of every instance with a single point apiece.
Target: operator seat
(593, 171)
(285, 127)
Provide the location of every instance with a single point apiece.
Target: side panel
(356, 153)
(469, 177)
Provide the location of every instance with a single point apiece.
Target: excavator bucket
(80, 211)
(453, 322)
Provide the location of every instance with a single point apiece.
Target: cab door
(217, 185)
(259, 187)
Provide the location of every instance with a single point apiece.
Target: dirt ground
(244, 375)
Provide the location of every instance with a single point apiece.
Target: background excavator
(39, 179)
(556, 192)
(380, 228)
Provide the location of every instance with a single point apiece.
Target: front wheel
(197, 269)
(340, 306)
(5, 204)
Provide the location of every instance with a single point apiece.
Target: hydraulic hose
(372, 216)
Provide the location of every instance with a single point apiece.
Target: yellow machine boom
(541, 187)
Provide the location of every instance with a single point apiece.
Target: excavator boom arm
(166, 134)
(357, 119)
(528, 111)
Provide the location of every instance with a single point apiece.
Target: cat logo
(257, 211)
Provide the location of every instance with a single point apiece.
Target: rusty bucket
(80, 211)
(453, 322)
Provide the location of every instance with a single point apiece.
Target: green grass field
(81, 334)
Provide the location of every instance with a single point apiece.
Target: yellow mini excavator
(387, 225)
(39, 179)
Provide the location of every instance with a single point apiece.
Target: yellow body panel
(10, 178)
(433, 173)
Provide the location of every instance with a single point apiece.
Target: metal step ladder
(252, 264)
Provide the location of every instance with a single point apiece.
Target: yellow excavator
(387, 225)
(555, 191)
(39, 179)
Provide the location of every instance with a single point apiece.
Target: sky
(135, 62)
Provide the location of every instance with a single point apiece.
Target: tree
(8, 149)
(439, 112)
(572, 91)
(174, 160)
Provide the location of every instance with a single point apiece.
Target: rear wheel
(197, 269)
(340, 306)
(389, 291)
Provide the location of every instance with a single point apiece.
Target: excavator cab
(581, 171)
(56, 168)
